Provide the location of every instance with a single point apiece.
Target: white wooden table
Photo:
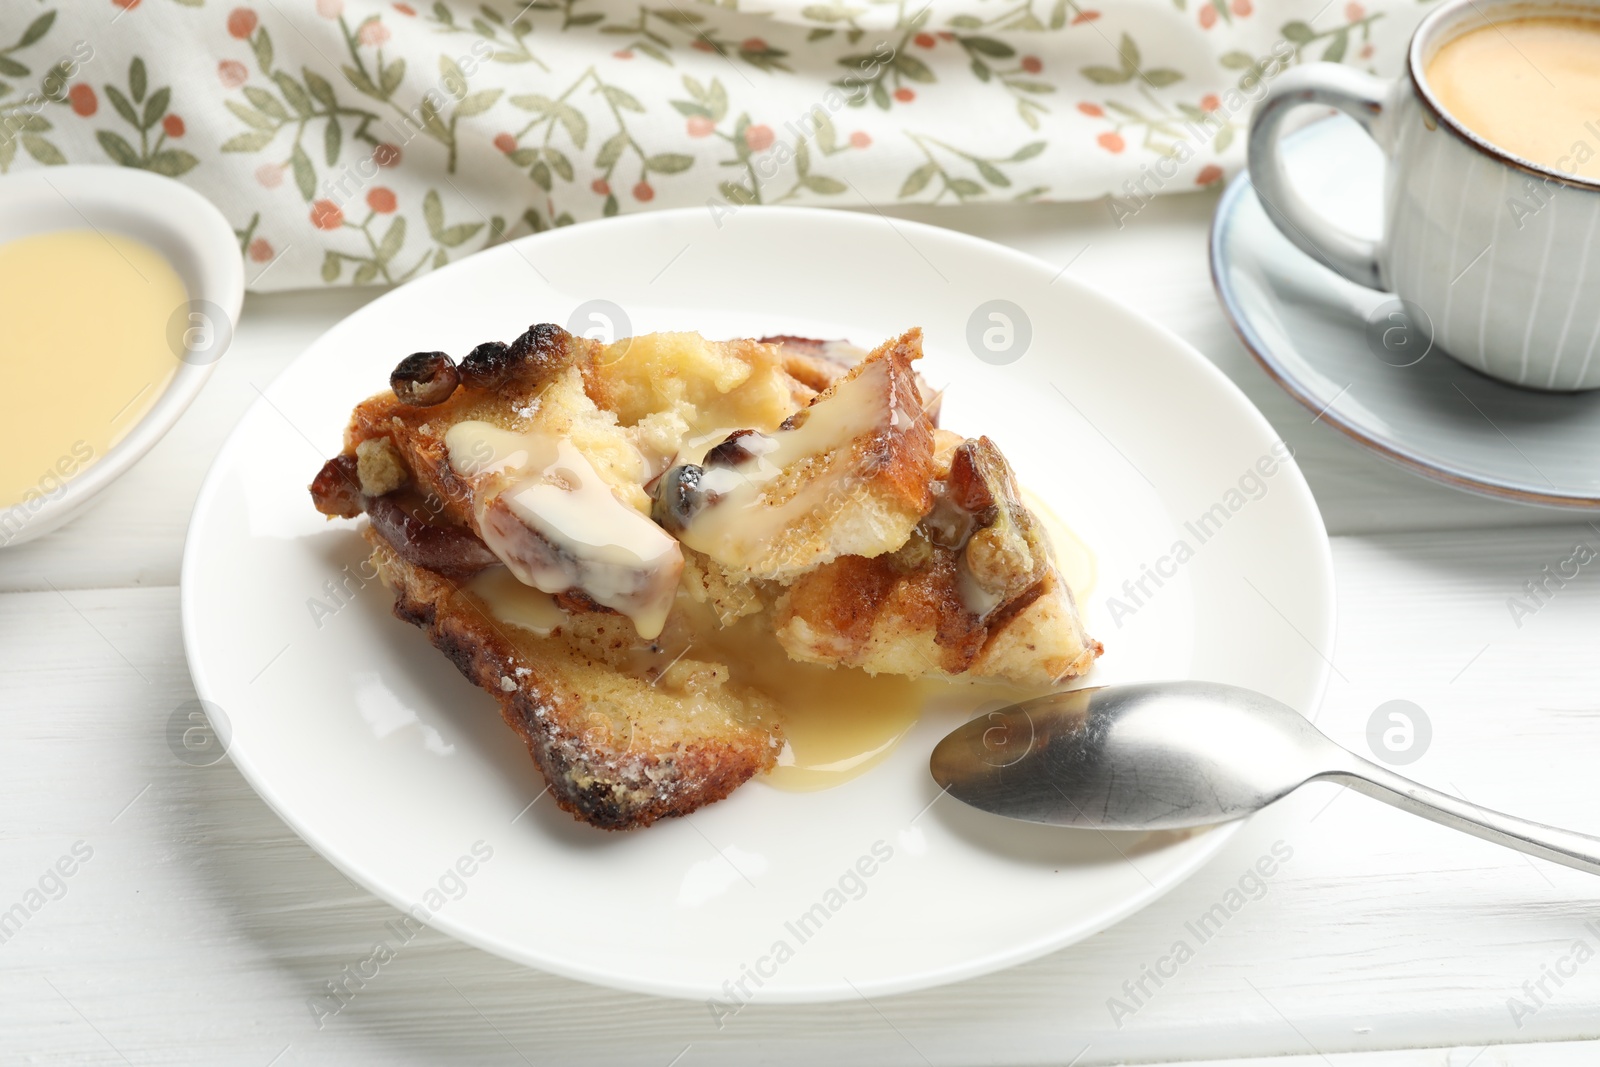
(200, 925)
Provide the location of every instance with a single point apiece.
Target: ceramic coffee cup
(1489, 252)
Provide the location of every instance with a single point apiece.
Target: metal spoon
(1166, 755)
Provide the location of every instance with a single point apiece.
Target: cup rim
(1424, 35)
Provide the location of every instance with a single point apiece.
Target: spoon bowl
(1170, 755)
(1156, 756)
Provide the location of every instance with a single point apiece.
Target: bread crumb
(378, 467)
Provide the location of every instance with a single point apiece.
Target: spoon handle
(1579, 851)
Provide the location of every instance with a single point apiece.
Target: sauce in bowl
(86, 353)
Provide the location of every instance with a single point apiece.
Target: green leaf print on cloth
(369, 141)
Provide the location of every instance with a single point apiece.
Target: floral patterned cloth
(358, 141)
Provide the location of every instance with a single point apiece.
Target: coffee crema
(1530, 86)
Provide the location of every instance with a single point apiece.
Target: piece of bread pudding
(564, 517)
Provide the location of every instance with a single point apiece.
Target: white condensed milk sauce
(556, 524)
(510, 601)
(85, 352)
(837, 722)
(738, 527)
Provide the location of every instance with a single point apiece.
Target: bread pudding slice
(849, 474)
(565, 519)
(974, 592)
(624, 733)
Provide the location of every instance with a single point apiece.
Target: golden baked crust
(620, 744)
(973, 593)
(417, 433)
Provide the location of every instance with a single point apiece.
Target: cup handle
(1362, 98)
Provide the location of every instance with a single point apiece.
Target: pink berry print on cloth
(359, 141)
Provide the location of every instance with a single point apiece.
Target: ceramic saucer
(1364, 363)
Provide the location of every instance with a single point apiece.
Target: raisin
(731, 453)
(424, 379)
(489, 366)
(677, 498)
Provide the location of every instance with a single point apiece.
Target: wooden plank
(1547, 1054)
(201, 925)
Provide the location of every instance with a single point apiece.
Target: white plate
(368, 743)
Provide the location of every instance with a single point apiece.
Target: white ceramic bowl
(201, 246)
